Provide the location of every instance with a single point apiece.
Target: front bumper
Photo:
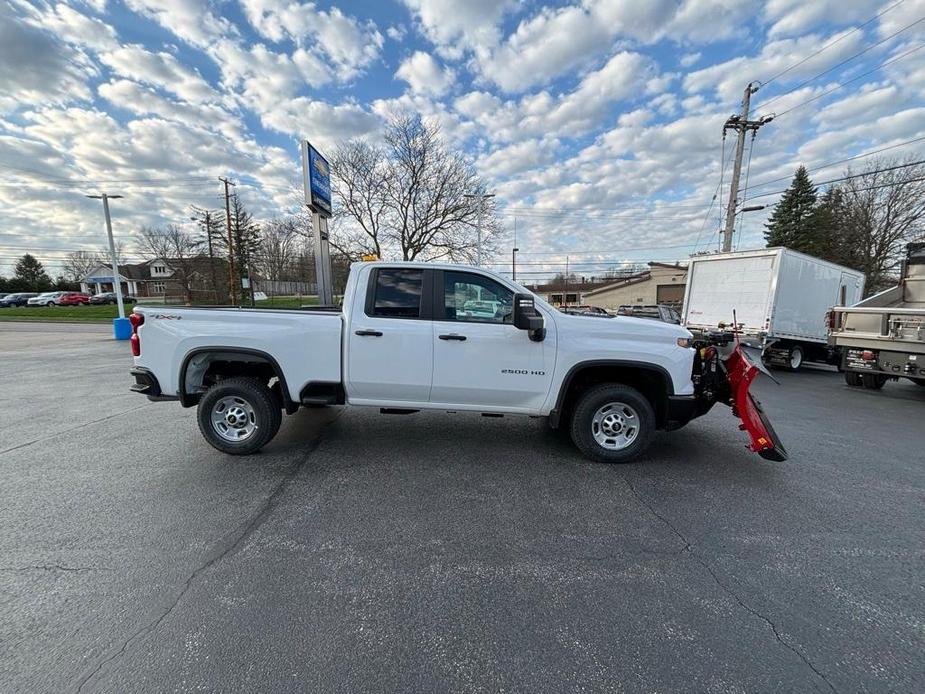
(681, 410)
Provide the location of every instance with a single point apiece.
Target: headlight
(684, 342)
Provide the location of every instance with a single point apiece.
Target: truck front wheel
(239, 415)
(612, 423)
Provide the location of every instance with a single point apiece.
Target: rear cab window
(397, 293)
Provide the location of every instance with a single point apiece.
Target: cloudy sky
(598, 122)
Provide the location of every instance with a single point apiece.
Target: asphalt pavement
(439, 552)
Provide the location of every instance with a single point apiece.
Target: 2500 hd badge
(523, 372)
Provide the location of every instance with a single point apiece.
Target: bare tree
(79, 264)
(179, 249)
(278, 246)
(412, 197)
(360, 195)
(882, 209)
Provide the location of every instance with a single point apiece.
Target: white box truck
(780, 298)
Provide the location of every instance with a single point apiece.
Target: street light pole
(116, 284)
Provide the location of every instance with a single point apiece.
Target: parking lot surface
(438, 552)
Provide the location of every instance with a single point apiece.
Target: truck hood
(626, 326)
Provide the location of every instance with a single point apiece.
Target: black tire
(853, 379)
(267, 415)
(873, 381)
(795, 358)
(582, 422)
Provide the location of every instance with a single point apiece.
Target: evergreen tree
(832, 236)
(31, 273)
(790, 224)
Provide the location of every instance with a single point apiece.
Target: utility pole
(231, 282)
(741, 124)
(116, 284)
(482, 197)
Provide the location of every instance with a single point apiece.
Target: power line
(842, 63)
(831, 43)
(866, 173)
(853, 79)
(841, 161)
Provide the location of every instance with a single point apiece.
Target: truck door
(481, 361)
(390, 348)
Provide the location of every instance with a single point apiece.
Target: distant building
(160, 279)
(560, 292)
(662, 283)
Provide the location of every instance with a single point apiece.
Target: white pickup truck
(408, 339)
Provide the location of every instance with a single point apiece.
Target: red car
(73, 299)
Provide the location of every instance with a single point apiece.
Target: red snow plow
(727, 379)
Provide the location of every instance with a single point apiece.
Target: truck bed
(307, 342)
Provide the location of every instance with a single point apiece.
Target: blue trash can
(121, 328)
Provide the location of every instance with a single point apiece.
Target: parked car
(661, 312)
(45, 299)
(110, 298)
(3, 294)
(74, 299)
(16, 299)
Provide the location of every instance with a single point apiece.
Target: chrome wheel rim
(234, 419)
(796, 358)
(615, 426)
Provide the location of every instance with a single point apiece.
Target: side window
(398, 293)
(474, 298)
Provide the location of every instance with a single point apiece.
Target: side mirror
(526, 317)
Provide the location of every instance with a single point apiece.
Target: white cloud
(689, 59)
(319, 121)
(556, 41)
(396, 32)
(346, 42)
(792, 17)
(454, 26)
(728, 78)
(71, 26)
(37, 69)
(263, 78)
(191, 20)
(160, 70)
(424, 75)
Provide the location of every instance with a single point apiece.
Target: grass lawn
(104, 314)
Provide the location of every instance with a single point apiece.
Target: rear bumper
(146, 384)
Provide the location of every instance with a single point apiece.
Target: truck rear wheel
(795, 358)
(612, 423)
(239, 415)
(873, 381)
(853, 379)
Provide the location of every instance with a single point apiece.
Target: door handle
(453, 336)
(368, 333)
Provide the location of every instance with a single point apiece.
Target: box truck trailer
(779, 298)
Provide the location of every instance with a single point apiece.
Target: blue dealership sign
(317, 173)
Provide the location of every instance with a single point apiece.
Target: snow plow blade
(741, 372)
